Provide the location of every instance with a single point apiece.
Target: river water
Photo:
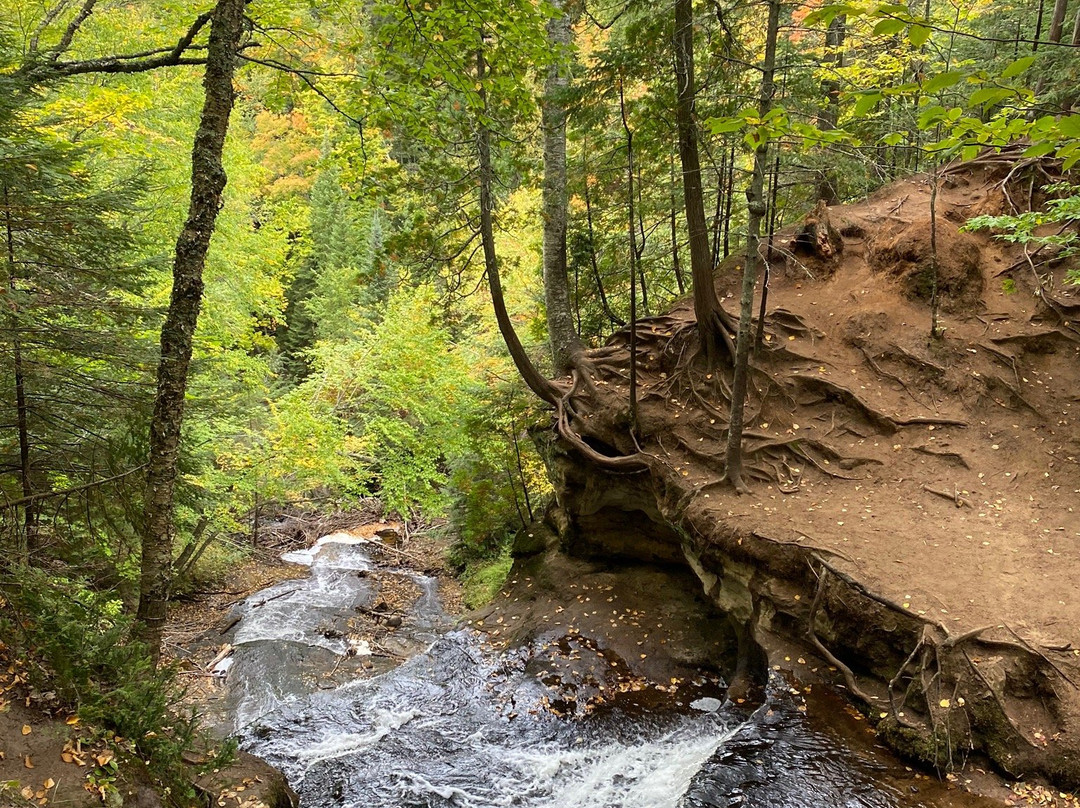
(464, 724)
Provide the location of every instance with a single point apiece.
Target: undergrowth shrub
(77, 645)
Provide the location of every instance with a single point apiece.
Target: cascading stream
(464, 724)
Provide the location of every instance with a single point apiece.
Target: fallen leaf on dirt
(103, 758)
(27, 762)
(27, 729)
(50, 783)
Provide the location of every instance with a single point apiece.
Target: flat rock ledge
(939, 695)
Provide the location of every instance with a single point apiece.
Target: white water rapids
(456, 725)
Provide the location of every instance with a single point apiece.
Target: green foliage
(1062, 209)
(78, 645)
(483, 579)
(403, 387)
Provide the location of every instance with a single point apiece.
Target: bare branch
(119, 63)
(51, 16)
(68, 491)
(72, 29)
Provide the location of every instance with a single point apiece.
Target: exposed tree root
(625, 464)
(927, 450)
(1036, 342)
(880, 371)
(794, 324)
(901, 354)
(1066, 313)
(837, 392)
(991, 380)
(849, 677)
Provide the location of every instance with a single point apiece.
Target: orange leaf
(27, 729)
(27, 762)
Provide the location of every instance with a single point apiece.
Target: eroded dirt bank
(912, 515)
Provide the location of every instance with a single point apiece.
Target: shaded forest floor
(938, 477)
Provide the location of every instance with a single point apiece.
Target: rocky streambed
(586, 683)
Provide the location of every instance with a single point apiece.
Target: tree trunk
(207, 185)
(774, 190)
(564, 339)
(757, 208)
(614, 318)
(718, 218)
(675, 263)
(536, 382)
(935, 329)
(830, 87)
(26, 541)
(706, 303)
(1057, 20)
(729, 198)
(642, 241)
(634, 256)
(1076, 30)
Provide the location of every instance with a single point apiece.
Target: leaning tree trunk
(757, 208)
(706, 303)
(535, 381)
(565, 343)
(207, 185)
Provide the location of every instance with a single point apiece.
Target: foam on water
(443, 731)
(307, 557)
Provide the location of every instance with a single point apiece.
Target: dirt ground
(940, 475)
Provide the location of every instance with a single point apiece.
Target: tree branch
(14, 503)
(72, 29)
(36, 70)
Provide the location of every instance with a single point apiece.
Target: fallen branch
(264, 601)
(954, 497)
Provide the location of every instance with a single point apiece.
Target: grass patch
(483, 578)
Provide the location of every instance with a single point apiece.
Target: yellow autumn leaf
(50, 783)
(27, 729)
(944, 703)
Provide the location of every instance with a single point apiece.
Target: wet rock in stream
(605, 699)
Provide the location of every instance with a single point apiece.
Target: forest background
(345, 348)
